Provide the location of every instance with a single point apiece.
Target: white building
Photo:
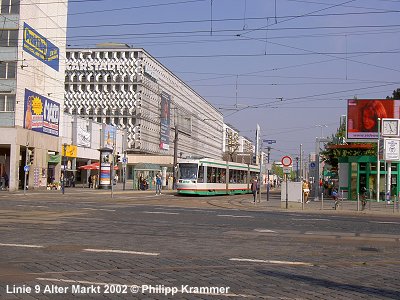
(32, 47)
(126, 87)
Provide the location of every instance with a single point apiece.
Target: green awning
(54, 158)
(146, 167)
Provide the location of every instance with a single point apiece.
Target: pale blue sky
(289, 66)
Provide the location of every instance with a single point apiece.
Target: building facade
(32, 60)
(128, 88)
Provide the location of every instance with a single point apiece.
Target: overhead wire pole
(378, 162)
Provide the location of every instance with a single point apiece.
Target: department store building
(128, 88)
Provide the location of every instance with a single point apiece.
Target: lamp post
(297, 169)
(322, 129)
(64, 167)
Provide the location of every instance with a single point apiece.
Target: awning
(93, 166)
(147, 167)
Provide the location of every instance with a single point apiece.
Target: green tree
(331, 154)
(395, 95)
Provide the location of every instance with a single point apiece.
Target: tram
(214, 177)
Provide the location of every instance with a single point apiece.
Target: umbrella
(93, 166)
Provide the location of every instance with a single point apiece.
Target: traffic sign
(287, 170)
(269, 141)
(26, 168)
(286, 161)
(125, 160)
(312, 165)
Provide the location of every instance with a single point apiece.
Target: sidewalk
(241, 202)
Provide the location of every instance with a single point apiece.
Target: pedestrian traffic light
(117, 157)
(31, 156)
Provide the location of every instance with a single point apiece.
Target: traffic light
(31, 156)
(117, 157)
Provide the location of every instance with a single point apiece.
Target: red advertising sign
(363, 114)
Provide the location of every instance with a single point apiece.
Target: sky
(287, 65)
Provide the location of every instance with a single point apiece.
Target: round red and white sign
(286, 161)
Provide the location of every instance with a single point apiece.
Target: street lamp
(322, 129)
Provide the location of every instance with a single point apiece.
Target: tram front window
(187, 171)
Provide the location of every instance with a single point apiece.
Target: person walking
(158, 184)
(254, 189)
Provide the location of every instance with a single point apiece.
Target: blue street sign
(124, 160)
(312, 165)
(269, 141)
(26, 168)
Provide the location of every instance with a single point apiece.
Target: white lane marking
(185, 209)
(121, 252)
(41, 206)
(384, 222)
(232, 216)
(103, 209)
(294, 219)
(21, 245)
(161, 212)
(278, 262)
(265, 230)
(76, 281)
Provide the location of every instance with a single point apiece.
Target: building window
(10, 7)
(7, 102)
(8, 38)
(8, 70)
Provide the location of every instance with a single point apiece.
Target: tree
(395, 95)
(332, 151)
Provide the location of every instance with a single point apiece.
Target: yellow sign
(69, 151)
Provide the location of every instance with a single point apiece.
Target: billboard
(40, 47)
(109, 135)
(165, 120)
(83, 135)
(41, 114)
(363, 114)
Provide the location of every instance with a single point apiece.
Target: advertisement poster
(105, 168)
(40, 47)
(165, 120)
(109, 133)
(363, 114)
(41, 114)
(83, 136)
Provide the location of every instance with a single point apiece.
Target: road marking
(265, 230)
(161, 212)
(232, 216)
(383, 222)
(21, 245)
(76, 281)
(278, 262)
(103, 209)
(41, 206)
(293, 219)
(121, 252)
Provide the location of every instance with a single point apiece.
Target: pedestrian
(6, 180)
(158, 184)
(90, 181)
(306, 191)
(254, 187)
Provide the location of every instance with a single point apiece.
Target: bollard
(322, 202)
(358, 202)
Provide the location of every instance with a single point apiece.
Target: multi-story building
(32, 47)
(127, 87)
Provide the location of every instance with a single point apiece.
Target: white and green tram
(214, 177)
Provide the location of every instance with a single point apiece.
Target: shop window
(363, 166)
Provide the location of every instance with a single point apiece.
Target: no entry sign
(286, 161)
